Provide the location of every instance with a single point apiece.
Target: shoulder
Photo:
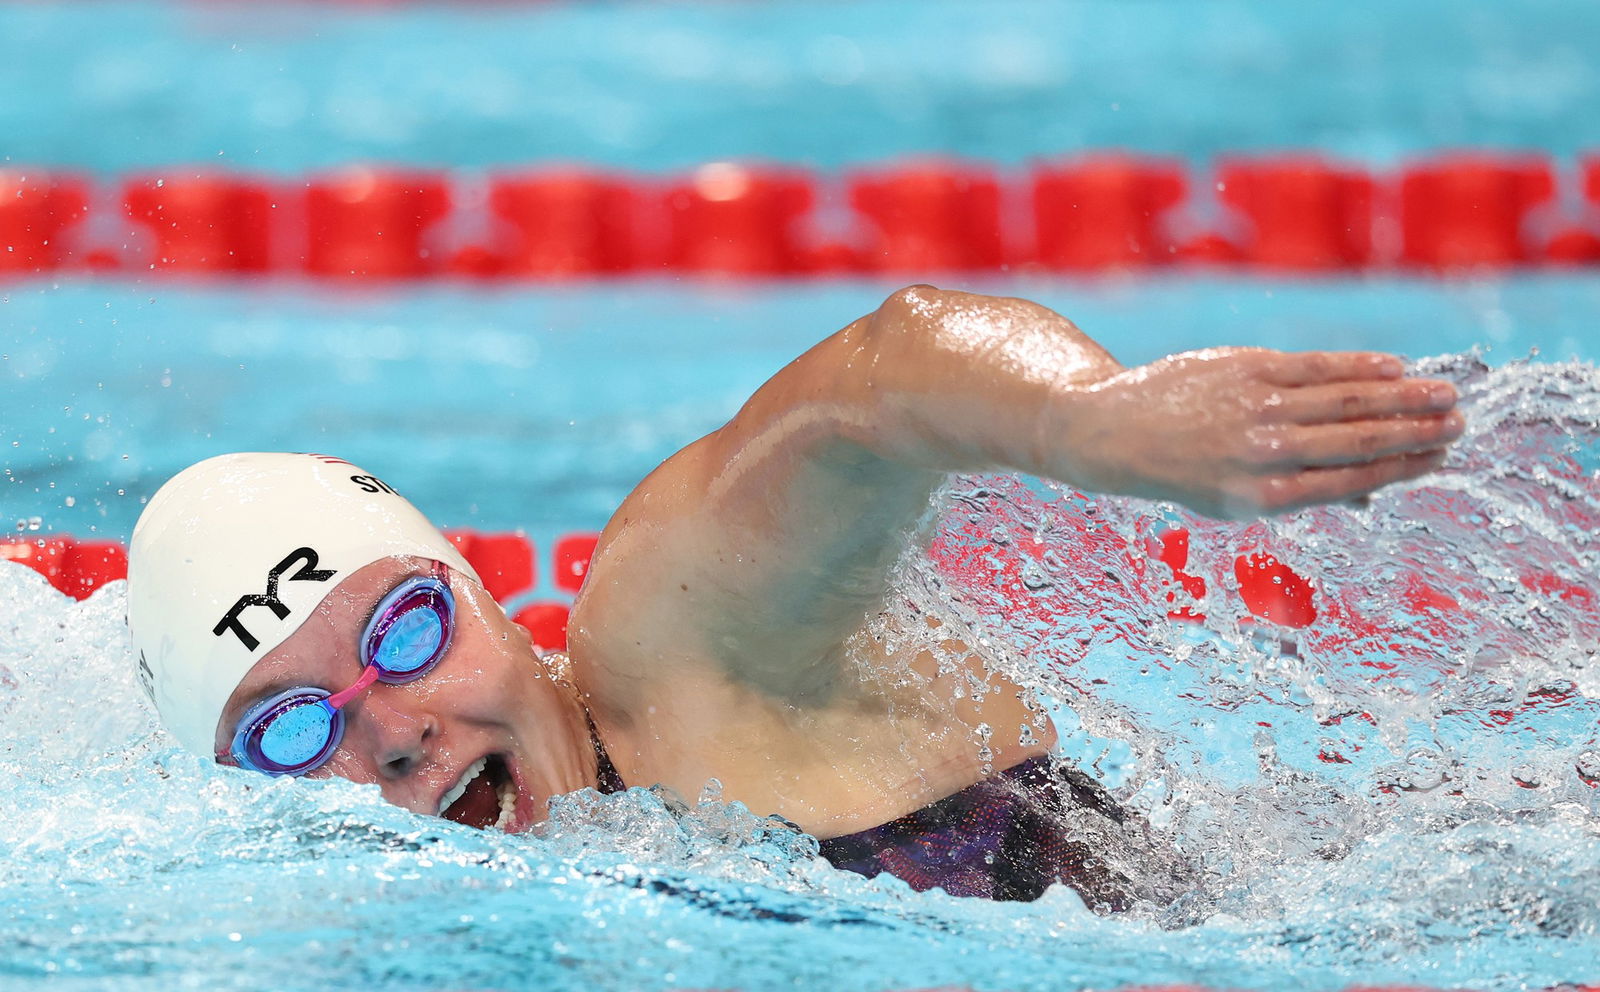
(624, 607)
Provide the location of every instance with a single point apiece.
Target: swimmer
(294, 615)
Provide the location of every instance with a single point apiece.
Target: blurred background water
(292, 86)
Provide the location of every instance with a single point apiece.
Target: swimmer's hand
(1238, 432)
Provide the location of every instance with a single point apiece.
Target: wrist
(1075, 437)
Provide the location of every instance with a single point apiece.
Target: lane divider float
(1293, 213)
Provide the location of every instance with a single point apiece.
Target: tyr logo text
(306, 558)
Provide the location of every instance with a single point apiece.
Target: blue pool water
(113, 386)
(292, 86)
(1455, 843)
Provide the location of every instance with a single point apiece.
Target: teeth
(473, 771)
(508, 806)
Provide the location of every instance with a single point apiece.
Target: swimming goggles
(294, 731)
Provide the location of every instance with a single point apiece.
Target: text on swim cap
(309, 572)
(372, 484)
(147, 678)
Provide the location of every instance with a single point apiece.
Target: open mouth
(486, 795)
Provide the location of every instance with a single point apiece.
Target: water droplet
(1588, 765)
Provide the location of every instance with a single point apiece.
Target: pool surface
(1399, 792)
(1403, 790)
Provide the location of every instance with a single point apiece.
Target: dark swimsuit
(607, 780)
(1008, 837)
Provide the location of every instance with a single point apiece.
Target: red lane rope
(1274, 214)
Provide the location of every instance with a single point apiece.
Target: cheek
(347, 764)
(469, 693)
(485, 673)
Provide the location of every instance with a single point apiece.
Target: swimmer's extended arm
(767, 541)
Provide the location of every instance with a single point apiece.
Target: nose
(400, 740)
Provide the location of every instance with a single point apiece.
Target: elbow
(906, 326)
(918, 304)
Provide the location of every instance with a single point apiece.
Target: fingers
(1322, 404)
(1286, 493)
(1312, 368)
(1326, 445)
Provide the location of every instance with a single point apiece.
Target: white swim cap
(233, 554)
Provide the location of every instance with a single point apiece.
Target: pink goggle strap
(369, 675)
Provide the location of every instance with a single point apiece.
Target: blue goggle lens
(289, 734)
(410, 630)
(410, 643)
(296, 736)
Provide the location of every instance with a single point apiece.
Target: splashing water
(1443, 698)
(1400, 788)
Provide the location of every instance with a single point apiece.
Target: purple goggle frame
(295, 731)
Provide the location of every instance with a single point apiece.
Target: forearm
(938, 381)
(953, 381)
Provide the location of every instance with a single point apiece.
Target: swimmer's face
(489, 697)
